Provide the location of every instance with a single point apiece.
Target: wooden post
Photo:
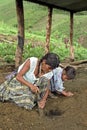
(48, 29)
(71, 37)
(20, 18)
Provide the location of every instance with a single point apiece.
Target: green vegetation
(35, 34)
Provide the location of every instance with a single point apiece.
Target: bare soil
(63, 113)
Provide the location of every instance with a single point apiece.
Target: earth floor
(63, 113)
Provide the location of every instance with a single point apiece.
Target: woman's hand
(41, 104)
(35, 89)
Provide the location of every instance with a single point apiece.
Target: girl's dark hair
(52, 59)
(70, 72)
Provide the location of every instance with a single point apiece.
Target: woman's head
(51, 59)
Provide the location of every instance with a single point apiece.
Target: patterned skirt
(12, 90)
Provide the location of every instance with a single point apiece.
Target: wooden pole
(48, 29)
(71, 37)
(20, 18)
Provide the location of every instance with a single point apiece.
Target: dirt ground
(63, 113)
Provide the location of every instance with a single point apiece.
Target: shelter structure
(71, 6)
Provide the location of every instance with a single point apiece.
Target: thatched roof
(68, 5)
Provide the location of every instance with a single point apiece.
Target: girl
(59, 76)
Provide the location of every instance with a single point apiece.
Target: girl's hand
(69, 94)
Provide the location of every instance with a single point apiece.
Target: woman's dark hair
(70, 72)
(52, 59)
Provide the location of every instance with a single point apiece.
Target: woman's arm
(42, 102)
(20, 78)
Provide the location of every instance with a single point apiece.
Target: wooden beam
(20, 19)
(48, 29)
(71, 37)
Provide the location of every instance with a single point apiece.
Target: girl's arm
(67, 94)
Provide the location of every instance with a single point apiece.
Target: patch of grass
(80, 53)
(7, 52)
(7, 30)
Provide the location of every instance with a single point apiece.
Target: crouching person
(61, 75)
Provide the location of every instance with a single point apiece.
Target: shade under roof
(68, 5)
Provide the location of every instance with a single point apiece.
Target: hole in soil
(55, 112)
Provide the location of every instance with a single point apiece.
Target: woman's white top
(29, 75)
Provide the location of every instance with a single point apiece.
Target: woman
(25, 89)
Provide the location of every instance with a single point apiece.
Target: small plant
(7, 52)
